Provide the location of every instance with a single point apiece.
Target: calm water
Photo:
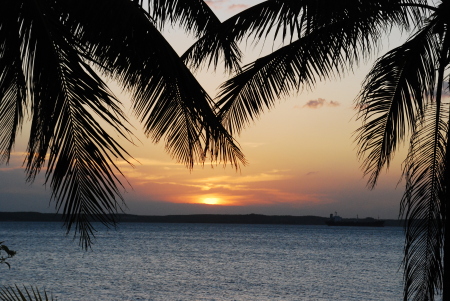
(209, 262)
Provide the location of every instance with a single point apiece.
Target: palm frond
(213, 48)
(194, 16)
(198, 18)
(289, 20)
(167, 98)
(68, 99)
(221, 40)
(393, 97)
(8, 293)
(325, 52)
(422, 205)
(12, 80)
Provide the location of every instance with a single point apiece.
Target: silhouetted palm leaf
(393, 97)
(67, 101)
(401, 95)
(12, 80)
(8, 293)
(288, 20)
(198, 18)
(167, 98)
(422, 205)
(322, 51)
(194, 16)
(47, 51)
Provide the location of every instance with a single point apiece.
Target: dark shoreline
(191, 218)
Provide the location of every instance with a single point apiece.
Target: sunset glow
(211, 201)
(302, 157)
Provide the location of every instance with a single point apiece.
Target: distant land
(191, 218)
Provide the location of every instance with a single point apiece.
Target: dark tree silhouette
(401, 98)
(52, 52)
(51, 55)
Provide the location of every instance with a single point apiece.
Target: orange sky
(302, 160)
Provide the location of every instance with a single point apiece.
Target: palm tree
(401, 98)
(52, 54)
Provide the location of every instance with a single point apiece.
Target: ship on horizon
(336, 220)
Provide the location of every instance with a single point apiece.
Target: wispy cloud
(218, 4)
(225, 4)
(229, 183)
(146, 162)
(311, 173)
(238, 7)
(16, 160)
(333, 103)
(318, 103)
(11, 168)
(261, 177)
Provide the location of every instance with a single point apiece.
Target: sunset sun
(211, 201)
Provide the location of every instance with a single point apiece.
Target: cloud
(11, 168)
(146, 162)
(312, 173)
(333, 103)
(315, 104)
(224, 4)
(261, 177)
(216, 3)
(140, 177)
(320, 102)
(238, 7)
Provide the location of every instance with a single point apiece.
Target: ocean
(149, 261)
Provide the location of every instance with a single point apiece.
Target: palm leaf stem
(446, 195)
(445, 202)
(446, 276)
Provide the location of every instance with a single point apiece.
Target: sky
(302, 158)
